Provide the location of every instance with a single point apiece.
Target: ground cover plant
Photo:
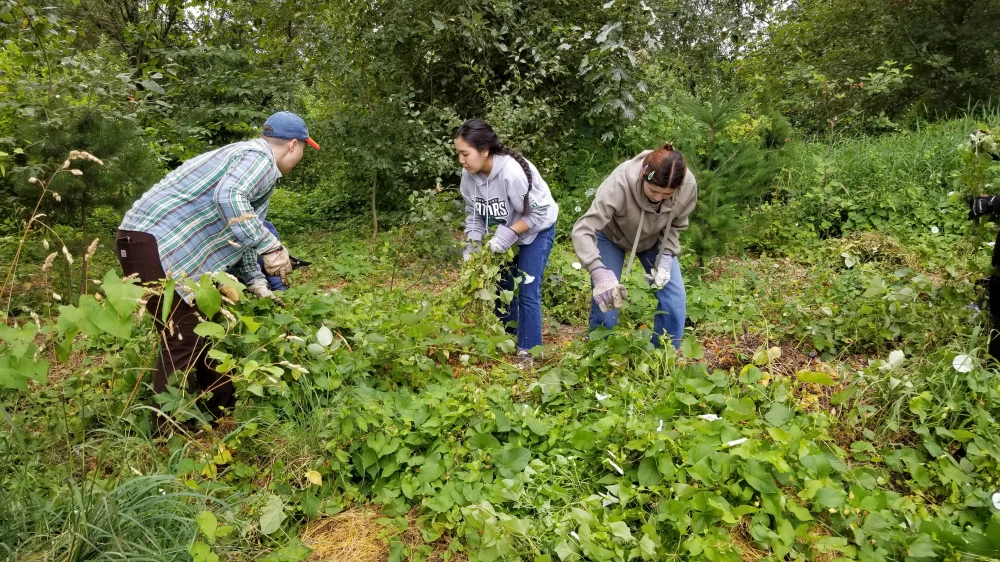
(828, 405)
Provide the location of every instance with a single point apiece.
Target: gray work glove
(471, 247)
(609, 294)
(660, 276)
(260, 289)
(502, 240)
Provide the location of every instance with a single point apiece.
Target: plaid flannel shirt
(206, 215)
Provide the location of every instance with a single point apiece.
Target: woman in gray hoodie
(642, 208)
(504, 193)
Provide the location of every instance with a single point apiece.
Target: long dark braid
(504, 149)
(481, 136)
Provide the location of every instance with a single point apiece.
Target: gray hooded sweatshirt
(619, 205)
(499, 199)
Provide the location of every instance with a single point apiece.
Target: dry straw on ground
(352, 535)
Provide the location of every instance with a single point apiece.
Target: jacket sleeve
(474, 228)
(246, 180)
(247, 270)
(670, 242)
(517, 185)
(609, 199)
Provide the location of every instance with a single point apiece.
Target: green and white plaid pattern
(206, 215)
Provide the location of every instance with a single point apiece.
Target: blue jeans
(525, 311)
(671, 300)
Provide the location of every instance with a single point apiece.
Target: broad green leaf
(778, 415)
(272, 515)
(201, 552)
(484, 441)
(207, 524)
(514, 459)
(207, 297)
(519, 526)
(691, 348)
(122, 296)
(210, 330)
(647, 548)
(759, 477)
(620, 529)
(830, 498)
(649, 474)
(923, 547)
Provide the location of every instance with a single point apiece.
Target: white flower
(528, 279)
(934, 230)
(576, 265)
(991, 244)
(574, 535)
(600, 396)
(464, 358)
(57, 296)
(709, 417)
(950, 193)
(963, 364)
(660, 427)
(996, 500)
(577, 209)
(896, 358)
(736, 442)
(618, 468)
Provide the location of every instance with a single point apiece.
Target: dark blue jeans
(525, 311)
(671, 301)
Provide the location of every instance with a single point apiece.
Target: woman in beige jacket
(642, 208)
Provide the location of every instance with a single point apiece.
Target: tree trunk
(374, 210)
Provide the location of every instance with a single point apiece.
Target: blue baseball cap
(287, 125)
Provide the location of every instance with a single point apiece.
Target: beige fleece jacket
(617, 207)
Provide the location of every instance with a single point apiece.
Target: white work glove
(661, 275)
(260, 289)
(609, 294)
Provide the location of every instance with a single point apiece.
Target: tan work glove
(230, 293)
(609, 294)
(278, 262)
(260, 289)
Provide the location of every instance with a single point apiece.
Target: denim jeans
(671, 300)
(525, 311)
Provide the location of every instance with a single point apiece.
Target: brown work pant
(180, 348)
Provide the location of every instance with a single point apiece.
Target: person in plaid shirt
(203, 217)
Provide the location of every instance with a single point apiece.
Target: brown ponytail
(664, 167)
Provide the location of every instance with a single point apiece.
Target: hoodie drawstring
(635, 244)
